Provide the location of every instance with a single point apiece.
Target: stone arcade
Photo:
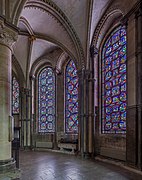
(71, 78)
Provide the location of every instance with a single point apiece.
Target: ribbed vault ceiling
(47, 25)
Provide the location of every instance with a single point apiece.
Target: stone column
(87, 123)
(59, 106)
(55, 138)
(134, 88)
(91, 104)
(23, 105)
(28, 121)
(82, 146)
(139, 84)
(32, 110)
(8, 35)
(25, 121)
(131, 149)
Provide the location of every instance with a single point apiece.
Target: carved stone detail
(8, 34)
(101, 23)
(55, 12)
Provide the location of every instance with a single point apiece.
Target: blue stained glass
(108, 100)
(108, 60)
(108, 75)
(115, 37)
(108, 85)
(115, 64)
(115, 55)
(114, 82)
(115, 90)
(115, 46)
(15, 96)
(71, 98)
(46, 95)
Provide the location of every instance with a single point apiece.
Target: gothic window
(15, 96)
(114, 82)
(71, 98)
(46, 97)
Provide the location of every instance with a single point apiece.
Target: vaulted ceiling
(49, 25)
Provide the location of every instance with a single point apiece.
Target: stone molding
(18, 70)
(27, 25)
(101, 24)
(114, 9)
(41, 63)
(53, 10)
(8, 34)
(60, 62)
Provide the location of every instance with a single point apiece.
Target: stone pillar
(26, 121)
(55, 138)
(82, 139)
(22, 117)
(86, 122)
(139, 84)
(134, 88)
(8, 36)
(91, 102)
(59, 106)
(131, 93)
(32, 108)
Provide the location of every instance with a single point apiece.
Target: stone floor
(57, 166)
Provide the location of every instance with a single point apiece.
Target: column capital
(81, 73)
(8, 33)
(138, 12)
(93, 51)
(32, 77)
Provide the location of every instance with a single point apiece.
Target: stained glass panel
(114, 82)
(46, 95)
(71, 96)
(15, 96)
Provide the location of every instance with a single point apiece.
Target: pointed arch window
(71, 98)
(15, 96)
(114, 82)
(46, 97)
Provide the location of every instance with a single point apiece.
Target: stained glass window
(46, 95)
(114, 82)
(15, 96)
(71, 98)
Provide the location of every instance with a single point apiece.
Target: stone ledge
(118, 163)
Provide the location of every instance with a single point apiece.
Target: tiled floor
(57, 166)
(50, 165)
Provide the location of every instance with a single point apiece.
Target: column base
(8, 169)
(87, 155)
(7, 165)
(55, 146)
